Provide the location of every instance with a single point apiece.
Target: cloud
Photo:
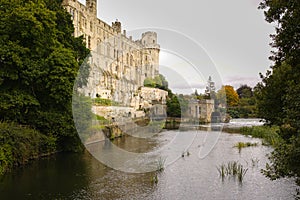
(237, 81)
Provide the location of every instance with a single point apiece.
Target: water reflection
(80, 176)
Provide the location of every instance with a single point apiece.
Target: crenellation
(120, 64)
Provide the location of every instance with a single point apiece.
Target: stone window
(89, 42)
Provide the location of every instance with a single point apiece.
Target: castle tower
(117, 26)
(149, 40)
(92, 6)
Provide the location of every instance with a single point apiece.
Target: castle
(119, 64)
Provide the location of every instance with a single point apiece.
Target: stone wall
(119, 64)
(200, 109)
(152, 100)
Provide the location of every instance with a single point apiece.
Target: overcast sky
(232, 33)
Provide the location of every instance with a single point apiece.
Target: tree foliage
(157, 82)
(19, 144)
(177, 105)
(228, 93)
(278, 93)
(39, 60)
(286, 40)
(244, 91)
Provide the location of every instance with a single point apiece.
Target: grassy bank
(19, 144)
(268, 134)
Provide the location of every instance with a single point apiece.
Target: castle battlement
(94, 30)
(119, 64)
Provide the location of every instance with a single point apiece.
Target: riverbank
(19, 144)
(268, 134)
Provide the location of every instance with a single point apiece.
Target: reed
(222, 170)
(233, 169)
(241, 172)
(241, 145)
(160, 164)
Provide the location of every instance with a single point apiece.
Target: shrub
(19, 144)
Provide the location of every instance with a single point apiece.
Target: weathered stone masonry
(119, 64)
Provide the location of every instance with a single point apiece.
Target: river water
(81, 176)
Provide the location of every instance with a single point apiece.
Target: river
(81, 176)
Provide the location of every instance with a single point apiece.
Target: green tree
(269, 94)
(173, 107)
(39, 61)
(244, 91)
(285, 15)
(176, 105)
(278, 93)
(158, 82)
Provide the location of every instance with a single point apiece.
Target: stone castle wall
(119, 65)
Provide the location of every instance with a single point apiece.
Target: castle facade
(119, 64)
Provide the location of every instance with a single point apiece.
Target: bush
(19, 144)
(269, 134)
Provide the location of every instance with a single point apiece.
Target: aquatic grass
(232, 169)
(245, 144)
(241, 145)
(269, 134)
(159, 168)
(160, 164)
(241, 172)
(222, 170)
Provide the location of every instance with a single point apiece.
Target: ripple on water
(69, 176)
